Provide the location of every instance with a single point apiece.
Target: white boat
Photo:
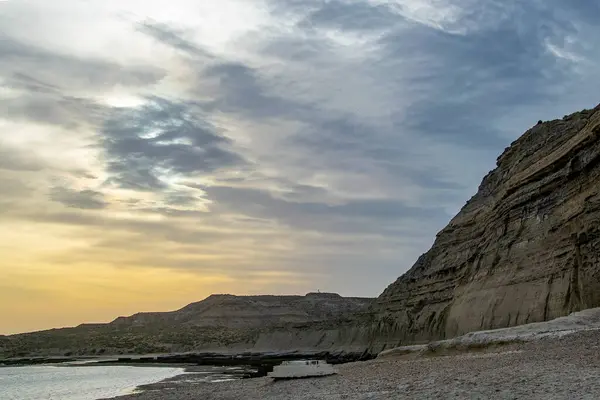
(302, 369)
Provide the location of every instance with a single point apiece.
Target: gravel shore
(551, 368)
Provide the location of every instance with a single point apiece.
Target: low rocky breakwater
(259, 364)
(17, 362)
(255, 364)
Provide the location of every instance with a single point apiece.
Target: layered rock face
(251, 312)
(525, 248)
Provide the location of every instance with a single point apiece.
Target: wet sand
(549, 368)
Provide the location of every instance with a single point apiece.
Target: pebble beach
(551, 368)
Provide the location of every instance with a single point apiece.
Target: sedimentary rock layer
(525, 248)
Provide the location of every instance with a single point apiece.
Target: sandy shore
(551, 368)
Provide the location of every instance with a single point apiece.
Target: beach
(566, 367)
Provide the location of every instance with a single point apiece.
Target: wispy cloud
(83, 199)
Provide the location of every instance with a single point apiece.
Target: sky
(153, 152)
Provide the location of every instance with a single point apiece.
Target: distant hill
(250, 311)
(216, 323)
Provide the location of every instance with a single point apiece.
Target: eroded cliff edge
(525, 248)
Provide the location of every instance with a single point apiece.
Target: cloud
(86, 199)
(70, 71)
(17, 161)
(50, 108)
(352, 16)
(172, 38)
(364, 216)
(13, 188)
(163, 138)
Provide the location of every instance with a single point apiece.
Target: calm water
(76, 383)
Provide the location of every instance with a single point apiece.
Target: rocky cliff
(525, 248)
(220, 323)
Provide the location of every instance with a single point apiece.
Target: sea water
(77, 383)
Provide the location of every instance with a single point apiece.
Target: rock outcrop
(525, 248)
(225, 310)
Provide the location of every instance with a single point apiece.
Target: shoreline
(52, 381)
(549, 368)
(194, 358)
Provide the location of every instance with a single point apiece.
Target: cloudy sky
(154, 152)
